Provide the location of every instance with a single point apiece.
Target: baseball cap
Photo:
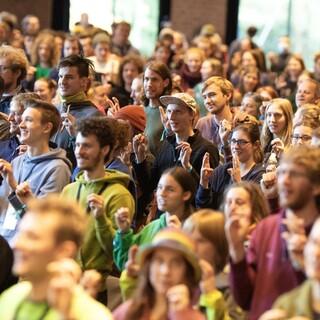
(182, 99)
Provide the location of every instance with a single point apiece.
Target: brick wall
(189, 15)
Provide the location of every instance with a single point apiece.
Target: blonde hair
(285, 135)
(225, 85)
(49, 40)
(210, 224)
(196, 51)
(308, 112)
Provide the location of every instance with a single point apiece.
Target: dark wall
(40, 8)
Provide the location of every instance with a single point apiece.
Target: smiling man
(50, 232)
(72, 84)
(270, 266)
(100, 191)
(186, 147)
(40, 170)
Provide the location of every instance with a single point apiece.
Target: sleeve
(214, 305)
(121, 245)
(127, 285)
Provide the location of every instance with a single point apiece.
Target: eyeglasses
(4, 68)
(239, 142)
(302, 137)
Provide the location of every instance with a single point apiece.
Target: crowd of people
(184, 185)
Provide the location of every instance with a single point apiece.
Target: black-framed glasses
(240, 142)
(302, 137)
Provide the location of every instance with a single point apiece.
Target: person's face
(194, 61)
(162, 54)
(170, 195)
(32, 26)
(249, 106)
(204, 248)
(275, 118)
(130, 71)
(136, 91)
(238, 204)
(70, 83)
(35, 245)
(153, 84)
(121, 34)
(168, 268)
(87, 46)
(206, 70)
(241, 146)
(42, 89)
(88, 152)
(306, 93)
(294, 67)
(215, 100)
(8, 75)
(312, 253)
(180, 118)
(302, 135)
(70, 47)
(15, 117)
(294, 187)
(101, 95)
(32, 130)
(206, 47)
(250, 82)
(248, 60)
(101, 51)
(44, 52)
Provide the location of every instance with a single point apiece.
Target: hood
(111, 177)
(53, 154)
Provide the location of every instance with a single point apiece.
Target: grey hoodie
(46, 173)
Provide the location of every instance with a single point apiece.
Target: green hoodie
(123, 241)
(96, 249)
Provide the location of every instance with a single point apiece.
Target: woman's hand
(122, 218)
(178, 298)
(206, 171)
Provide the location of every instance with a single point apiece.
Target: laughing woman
(246, 165)
(174, 196)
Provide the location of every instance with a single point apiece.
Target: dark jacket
(219, 181)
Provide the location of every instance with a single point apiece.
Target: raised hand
(7, 173)
(113, 106)
(139, 144)
(164, 120)
(234, 172)
(24, 192)
(91, 281)
(178, 297)
(68, 122)
(185, 153)
(174, 222)
(236, 234)
(64, 277)
(122, 219)
(296, 240)
(208, 279)
(96, 205)
(132, 266)
(206, 171)
(277, 146)
(225, 128)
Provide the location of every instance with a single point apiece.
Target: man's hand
(185, 153)
(208, 279)
(140, 147)
(68, 122)
(206, 171)
(236, 234)
(24, 192)
(225, 128)
(113, 106)
(122, 219)
(7, 173)
(96, 205)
